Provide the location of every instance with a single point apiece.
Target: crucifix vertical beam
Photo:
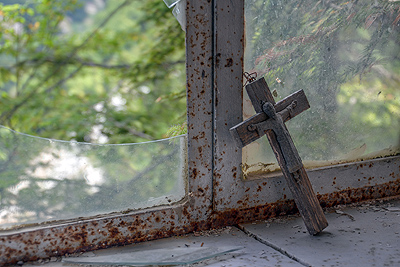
(269, 120)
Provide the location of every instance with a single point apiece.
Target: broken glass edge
(174, 196)
(165, 256)
(93, 144)
(171, 3)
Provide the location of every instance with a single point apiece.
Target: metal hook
(250, 77)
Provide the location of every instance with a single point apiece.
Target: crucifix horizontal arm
(243, 132)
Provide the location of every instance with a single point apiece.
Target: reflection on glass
(345, 55)
(171, 3)
(43, 179)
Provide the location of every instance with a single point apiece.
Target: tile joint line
(273, 246)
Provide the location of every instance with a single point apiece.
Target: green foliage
(177, 130)
(94, 71)
(121, 59)
(43, 179)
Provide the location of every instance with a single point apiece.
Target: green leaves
(54, 66)
(81, 70)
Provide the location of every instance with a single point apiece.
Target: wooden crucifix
(269, 120)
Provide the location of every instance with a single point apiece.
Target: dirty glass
(44, 180)
(345, 55)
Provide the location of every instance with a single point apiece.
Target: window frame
(217, 195)
(191, 214)
(260, 198)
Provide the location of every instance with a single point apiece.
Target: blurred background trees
(91, 70)
(98, 71)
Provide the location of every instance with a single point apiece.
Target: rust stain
(196, 215)
(194, 172)
(229, 62)
(217, 59)
(353, 195)
(287, 207)
(99, 234)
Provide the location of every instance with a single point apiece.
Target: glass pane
(44, 180)
(164, 257)
(171, 3)
(345, 56)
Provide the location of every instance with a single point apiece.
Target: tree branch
(86, 63)
(60, 82)
(9, 114)
(133, 131)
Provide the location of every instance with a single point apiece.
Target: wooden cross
(269, 120)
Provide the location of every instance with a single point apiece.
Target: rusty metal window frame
(257, 199)
(217, 195)
(191, 214)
